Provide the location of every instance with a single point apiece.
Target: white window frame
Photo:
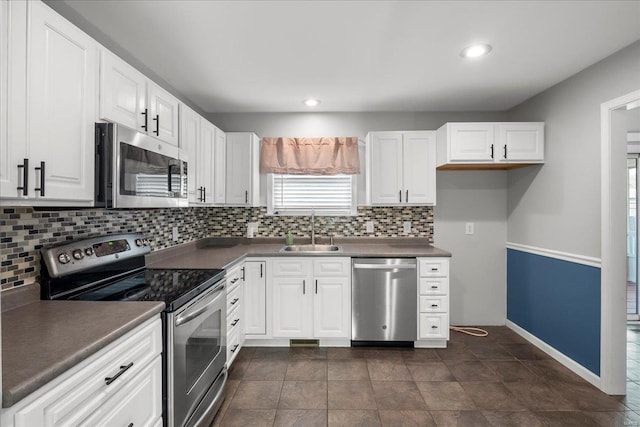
(317, 211)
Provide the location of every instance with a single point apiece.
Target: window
(301, 194)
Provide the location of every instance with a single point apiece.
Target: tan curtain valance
(310, 156)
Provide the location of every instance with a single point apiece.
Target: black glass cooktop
(174, 287)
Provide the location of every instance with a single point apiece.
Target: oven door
(197, 353)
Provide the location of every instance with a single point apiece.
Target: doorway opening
(632, 234)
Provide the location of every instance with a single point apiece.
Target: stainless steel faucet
(313, 227)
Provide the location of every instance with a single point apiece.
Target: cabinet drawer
(79, 392)
(434, 286)
(436, 267)
(233, 346)
(332, 267)
(234, 299)
(234, 322)
(434, 304)
(291, 267)
(234, 276)
(139, 402)
(433, 326)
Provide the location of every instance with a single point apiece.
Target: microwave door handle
(169, 178)
(184, 318)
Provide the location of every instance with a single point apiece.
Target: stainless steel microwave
(134, 170)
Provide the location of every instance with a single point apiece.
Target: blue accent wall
(558, 302)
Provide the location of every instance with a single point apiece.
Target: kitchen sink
(312, 248)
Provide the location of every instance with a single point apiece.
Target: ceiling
(267, 56)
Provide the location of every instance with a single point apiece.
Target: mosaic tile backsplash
(23, 231)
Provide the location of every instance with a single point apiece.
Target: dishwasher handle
(384, 266)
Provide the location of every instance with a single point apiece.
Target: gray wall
(557, 205)
(478, 272)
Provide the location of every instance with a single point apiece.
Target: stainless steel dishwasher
(384, 299)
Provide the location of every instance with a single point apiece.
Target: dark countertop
(43, 339)
(224, 252)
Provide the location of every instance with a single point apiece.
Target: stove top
(173, 286)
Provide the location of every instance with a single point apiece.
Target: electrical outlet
(369, 226)
(406, 227)
(469, 228)
(175, 234)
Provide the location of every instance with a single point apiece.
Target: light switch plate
(406, 227)
(469, 228)
(175, 234)
(369, 226)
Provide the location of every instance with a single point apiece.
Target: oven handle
(184, 318)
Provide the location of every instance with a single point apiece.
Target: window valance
(310, 156)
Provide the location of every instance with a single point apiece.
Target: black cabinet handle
(123, 369)
(235, 301)
(243, 279)
(25, 177)
(406, 197)
(235, 347)
(400, 195)
(434, 305)
(434, 287)
(492, 151)
(316, 286)
(260, 270)
(434, 327)
(130, 425)
(505, 151)
(235, 280)
(145, 113)
(235, 322)
(204, 194)
(304, 287)
(246, 196)
(157, 120)
(41, 188)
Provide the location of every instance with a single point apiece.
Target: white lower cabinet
(433, 302)
(311, 297)
(84, 395)
(254, 275)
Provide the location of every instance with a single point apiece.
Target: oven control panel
(80, 255)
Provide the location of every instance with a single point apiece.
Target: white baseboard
(574, 366)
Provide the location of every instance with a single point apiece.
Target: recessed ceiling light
(475, 51)
(311, 102)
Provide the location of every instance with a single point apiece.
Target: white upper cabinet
(402, 168)
(521, 142)
(129, 98)
(242, 176)
(163, 114)
(53, 79)
(219, 167)
(198, 137)
(123, 93)
(206, 161)
(490, 145)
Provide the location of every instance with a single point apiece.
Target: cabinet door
(206, 161)
(219, 169)
(238, 171)
(471, 142)
(163, 114)
(386, 168)
(190, 137)
(62, 103)
(521, 142)
(419, 167)
(255, 297)
(291, 308)
(332, 307)
(123, 93)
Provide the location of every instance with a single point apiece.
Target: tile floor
(500, 380)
